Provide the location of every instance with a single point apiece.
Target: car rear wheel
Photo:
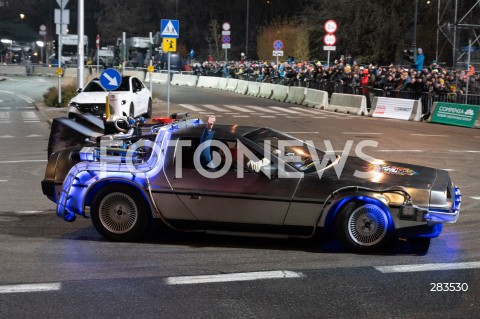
(364, 227)
(120, 213)
(148, 115)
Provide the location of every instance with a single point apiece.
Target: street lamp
(414, 45)
(22, 16)
(246, 33)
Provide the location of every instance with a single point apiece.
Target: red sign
(330, 39)
(330, 26)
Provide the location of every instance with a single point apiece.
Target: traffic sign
(169, 44)
(59, 71)
(226, 45)
(110, 79)
(226, 26)
(169, 28)
(329, 48)
(62, 3)
(226, 39)
(330, 39)
(330, 26)
(277, 45)
(150, 68)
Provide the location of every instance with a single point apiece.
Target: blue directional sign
(110, 79)
(169, 28)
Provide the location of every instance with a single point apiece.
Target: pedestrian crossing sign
(169, 28)
(169, 44)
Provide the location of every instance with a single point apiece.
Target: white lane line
(8, 289)
(429, 135)
(6, 136)
(361, 133)
(28, 212)
(191, 107)
(306, 110)
(465, 151)
(241, 116)
(24, 161)
(268, 116)
(238, 108)
(409, 151)
(247, 276)
(428, 267)
(261, 109)
(215, 108)
(34, 135)
(475, 197)
(283, 109)
(3, 181)
(319, 117)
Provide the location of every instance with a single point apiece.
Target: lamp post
(414, 44)
(22, 16)
(246, 32)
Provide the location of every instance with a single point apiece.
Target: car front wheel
(364, 227)
(120, 213)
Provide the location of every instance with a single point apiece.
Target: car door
(231, 196)
(140, 99)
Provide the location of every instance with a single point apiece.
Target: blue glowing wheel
(364, 227)
(120, 213)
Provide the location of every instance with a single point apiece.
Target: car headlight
(73, 104)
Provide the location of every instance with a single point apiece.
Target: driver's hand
(257, 165)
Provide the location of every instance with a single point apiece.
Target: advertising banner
(455, 114)
(391, 108)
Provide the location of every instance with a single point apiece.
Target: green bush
(50, 97)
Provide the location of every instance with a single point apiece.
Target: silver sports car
(231, 179)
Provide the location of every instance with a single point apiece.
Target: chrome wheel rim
(368, 225)
(118, 213)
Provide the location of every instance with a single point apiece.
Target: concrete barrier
(242, 87)
(222, 83)
(155, 77)
(232, 85)
(13, 70)
(208, 82)
(266, 90)
(138, 74)
(184, 80)
(44, 71)
(253, 88)
(348, 103)
(280, 93)
(417, 111)
(296, 95)
(316, 98)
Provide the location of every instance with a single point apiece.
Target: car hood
(90, 97)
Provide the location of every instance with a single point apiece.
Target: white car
(133, 99)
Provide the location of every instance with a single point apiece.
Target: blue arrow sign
(110, 79)
(169, 28)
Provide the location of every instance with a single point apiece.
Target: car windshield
(125, 85)
(295, 152)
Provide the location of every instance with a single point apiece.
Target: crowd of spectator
(347, 74)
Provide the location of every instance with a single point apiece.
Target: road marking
(429, 135)
(191, 107)
(8, 289)
(241, 116)
(410, 151)
(261, 109)
(428, 267)
(6, 136)
(238, 108)
(28, 212)
(5, 107)
(3, 181)
(34, 135)
(301, 109)
(475, 197)
(268, 116)
(247, 276)
(283, 109)
(215, 108)
(319, 117)
(24, 161)
(465, 151)
(361, 133)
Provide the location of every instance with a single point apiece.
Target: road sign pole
(328, 58)
(168, 85)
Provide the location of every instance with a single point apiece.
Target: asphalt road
(53, 269)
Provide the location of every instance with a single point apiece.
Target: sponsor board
(400, 109)
(455, 114)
